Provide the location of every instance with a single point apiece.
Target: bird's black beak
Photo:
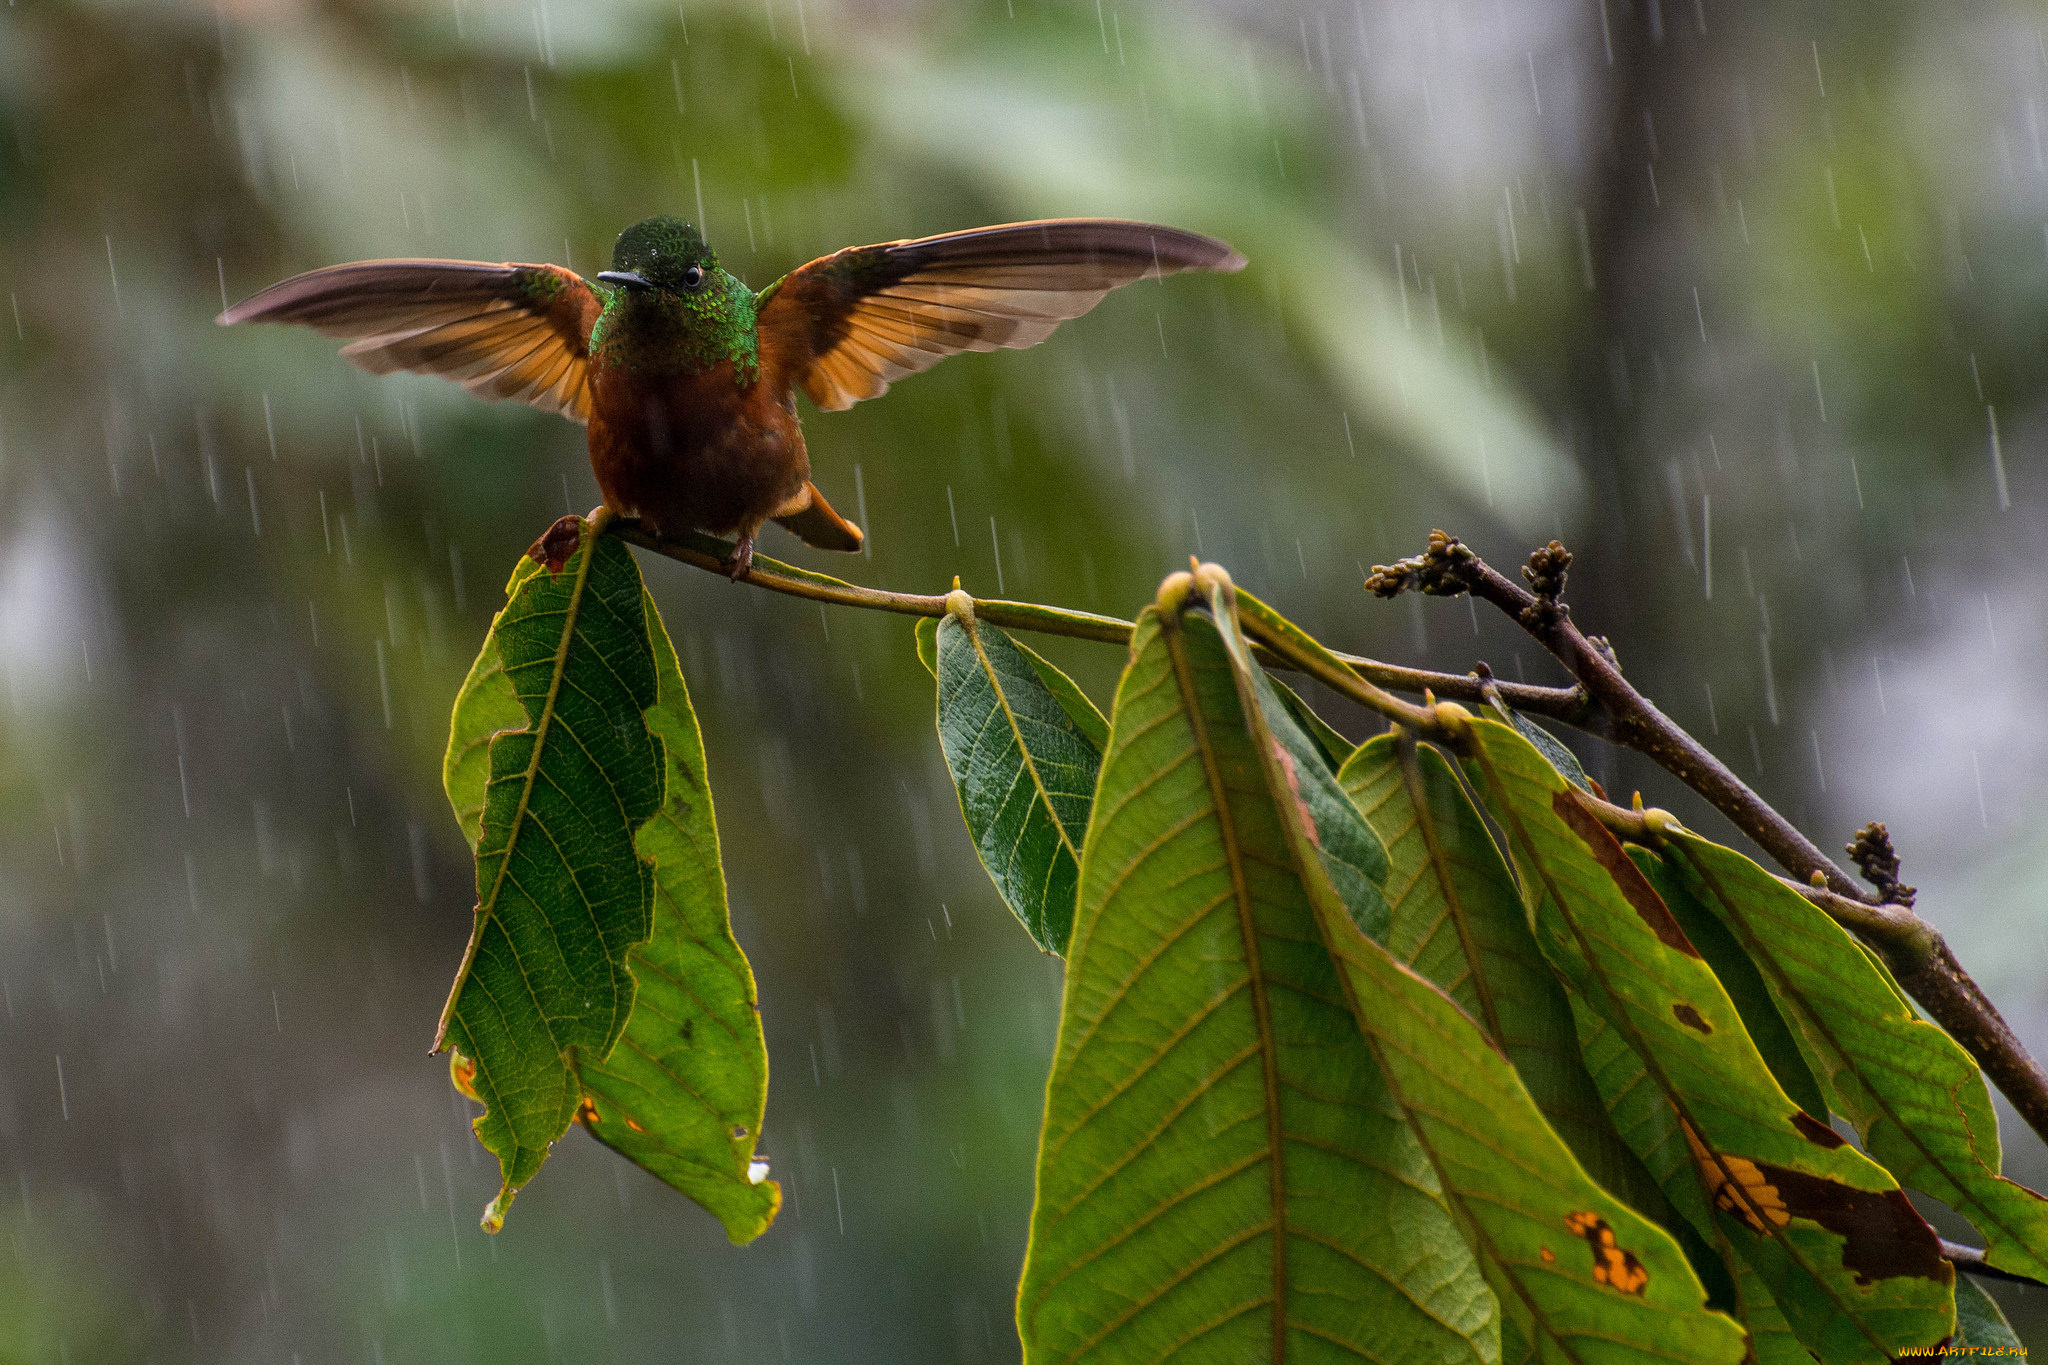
(625, 279)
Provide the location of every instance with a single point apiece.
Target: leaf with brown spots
(552, 769)
(1614, 1265)
(1513, 1185)
(1817, 1132)
(689, 1064)
(1825, 1228)
(1690, 1017)
(557, 543)
(1883, 1236)
(1738, 976)
(1915, 1098)
(1778, 1262)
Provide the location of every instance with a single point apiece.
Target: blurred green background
(1745, 301)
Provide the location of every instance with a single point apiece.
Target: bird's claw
(736, 564)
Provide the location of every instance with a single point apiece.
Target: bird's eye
(693, 278)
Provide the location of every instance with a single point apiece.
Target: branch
(1566, 705)
(1970, 1260)
(1450, 568)
(1603, 703)
(1911, 947)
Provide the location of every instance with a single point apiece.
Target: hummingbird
(687, 379)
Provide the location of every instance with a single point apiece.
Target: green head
(672, 306)
(661, 253)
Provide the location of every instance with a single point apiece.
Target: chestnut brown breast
(694, 451)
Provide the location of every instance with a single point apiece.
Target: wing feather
(507, 331)
(846, 326)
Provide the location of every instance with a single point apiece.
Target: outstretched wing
(847, 325)
(501, 331)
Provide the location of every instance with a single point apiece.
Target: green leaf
(1738, 976)
(1222, 1175)
(562, 895)
(1085, 714)
(1551, 747)
(1636, 1106)
(1272, 625)
(486, 706)
(1981, 1323)
(1331, 746)
(1576, 1272)
(1024, 770)
(683, 1093)
(1457, 918)
(1771, 1339)
(1856, 1271)
(1351, 852)
(1915, 1097)
(1574, 1268)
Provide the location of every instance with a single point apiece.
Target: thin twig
(1970, 1260)
(1912, 949)
(1451, 568)
(1566, 705)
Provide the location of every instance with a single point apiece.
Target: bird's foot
(557, 543)
(600, 517)
(740, 560)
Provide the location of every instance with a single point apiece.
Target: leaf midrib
(1409, 758)
(1183, 672)
(1029, 760)
(487, 906)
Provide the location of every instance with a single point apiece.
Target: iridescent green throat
(664, 331)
